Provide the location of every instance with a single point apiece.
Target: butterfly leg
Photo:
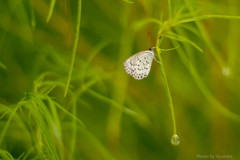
(156, 60)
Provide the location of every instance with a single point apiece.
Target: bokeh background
(107, 114)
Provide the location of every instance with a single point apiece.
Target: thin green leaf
(6, 126)
(52, 5)
(139, 24)
(204, 17)
(75, 45)
(5, 155)
(190, 28)
(174, 36)
(114, 103)
(74, 130)
(170, 49)
(42, 120)
(68, 113)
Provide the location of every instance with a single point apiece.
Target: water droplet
(226, 71)
(175, 140)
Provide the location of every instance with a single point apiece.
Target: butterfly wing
(139, 65)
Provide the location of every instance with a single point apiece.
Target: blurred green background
(107, 114)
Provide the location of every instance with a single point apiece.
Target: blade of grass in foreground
(75, 45)
(7, 124)
(51, 9)
(56, 126)
(38, 111)
(71, 115)
(74, 130)
(5, 155)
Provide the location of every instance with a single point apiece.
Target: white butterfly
(139, 64)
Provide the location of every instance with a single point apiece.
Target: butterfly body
(139, 65)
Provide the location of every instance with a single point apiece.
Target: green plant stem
(7, 124)
(164, 78)
(74, 130)
(75, 45)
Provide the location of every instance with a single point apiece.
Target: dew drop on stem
(175, 140)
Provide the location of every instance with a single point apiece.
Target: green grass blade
(75, 45)
(6, 126)
(56, 126)
(174, 36)
(114, 103)
(204, 17)
(170, 49)
(5, 155)
(52, 5)
(91, 82)
(139, 24)
(205, 35)
(192, 29)
(68, 113)
(43, 120)
(74, 130)
(21, 156)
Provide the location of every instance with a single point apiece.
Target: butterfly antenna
(151, 49)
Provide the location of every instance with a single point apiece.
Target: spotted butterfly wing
(139, 65)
